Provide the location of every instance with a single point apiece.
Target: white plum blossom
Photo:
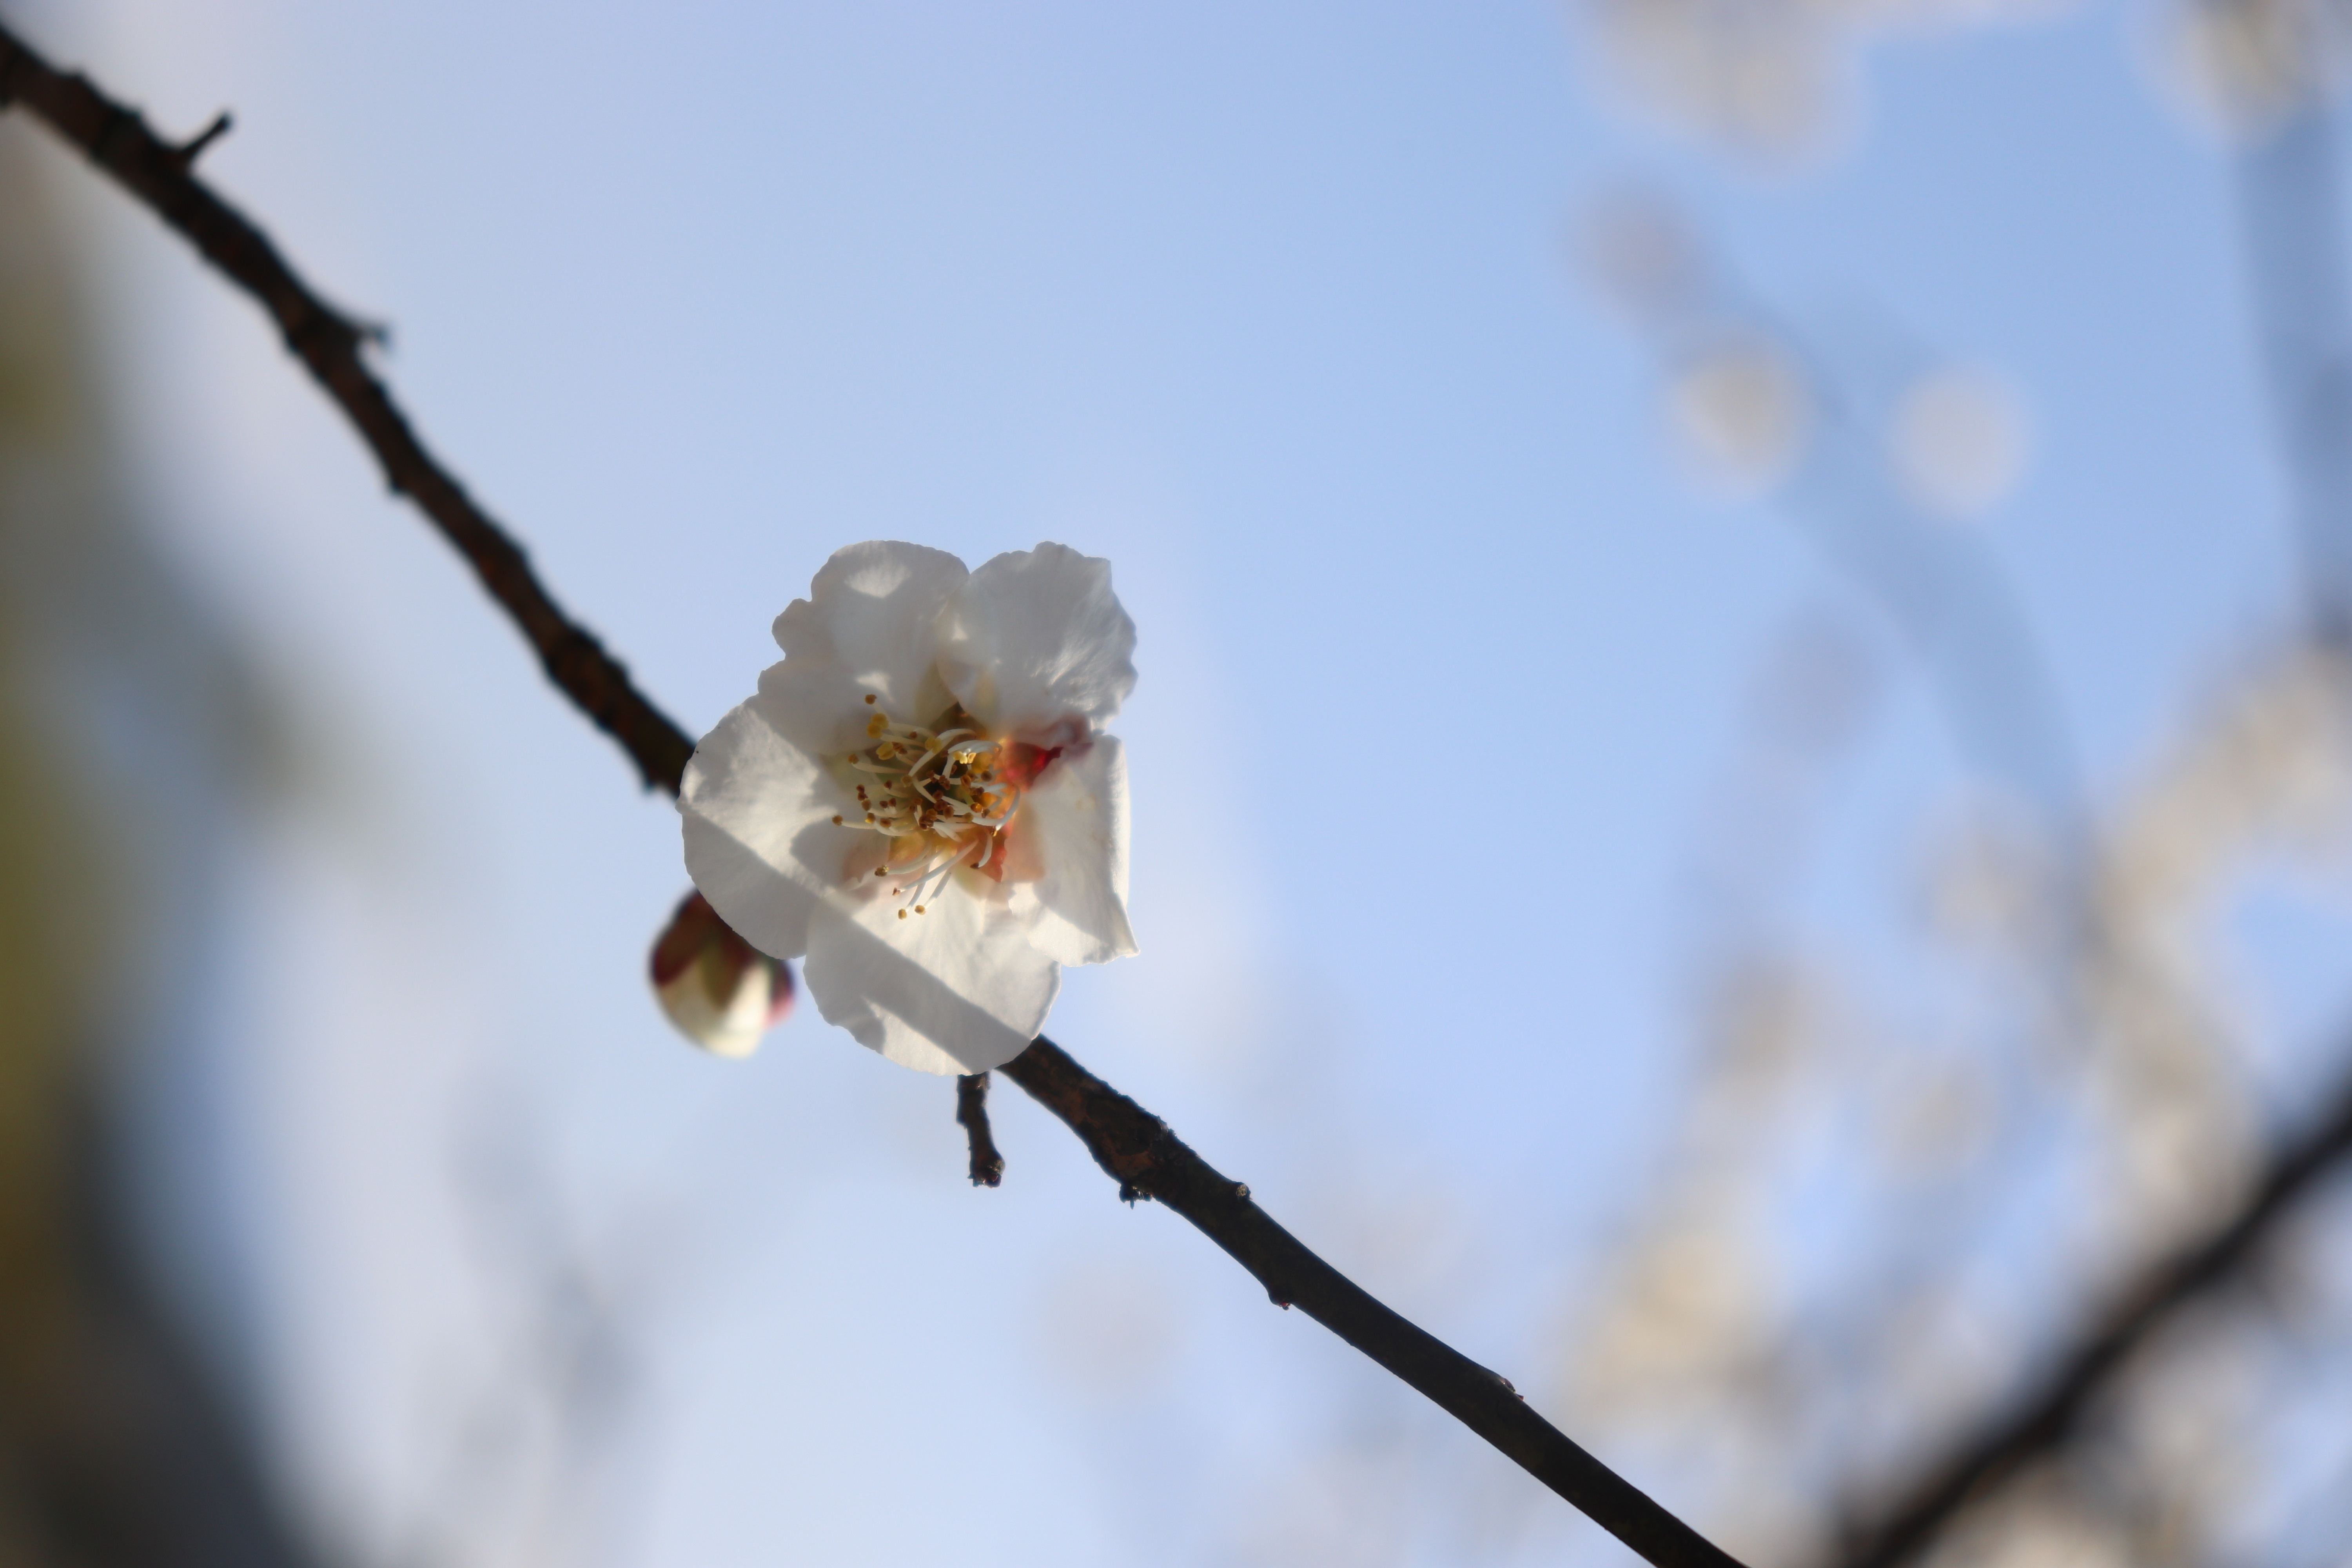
(921, 799)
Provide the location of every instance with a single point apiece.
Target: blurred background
(1864, 489)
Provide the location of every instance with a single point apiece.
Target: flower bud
(722, 992)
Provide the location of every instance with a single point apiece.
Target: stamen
(869, 697)
(940, 800)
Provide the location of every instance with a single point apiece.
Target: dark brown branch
(1148, 1161)
(972, 1115)
(1134, 1147)
(1983, 1461)
(157, 173)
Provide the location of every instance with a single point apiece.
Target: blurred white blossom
(2244, 64)
(1957, 441)
(1768, 77)
(1742, 411)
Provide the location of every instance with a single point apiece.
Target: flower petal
(952, 990)
(1072, 829)
(758, 814)
(868, 626)
(1037, 638)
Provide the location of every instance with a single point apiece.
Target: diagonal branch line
(1134, 1147)
(1982, 1461)
(1139, 1152)
(158, 173)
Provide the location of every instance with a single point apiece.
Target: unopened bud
(722, 992)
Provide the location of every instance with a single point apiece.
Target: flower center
(941, 797)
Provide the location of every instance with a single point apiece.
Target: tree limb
(1134, 1147)
(1982, 1461)
(158, 173)
(1136, 1150)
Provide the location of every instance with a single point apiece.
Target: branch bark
(327, 343)
(972, 1115)
(1134, 1147)
(1980, 1462)
(1138, 1151)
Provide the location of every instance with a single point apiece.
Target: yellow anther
(836, 821)
(902, 914)
(956, 786)
(918, 909)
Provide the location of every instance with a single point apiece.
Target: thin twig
(187, 153)
(157, 173)
(1134, 1147)
(1979, 1464)
(1148, 1161)
(972, 1115)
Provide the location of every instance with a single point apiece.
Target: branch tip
(185, 154)
(987, 1167)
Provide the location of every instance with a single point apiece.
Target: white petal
(952, 990)
(1073, 830)
(869, 624)
(760, 838)
(1037, 638)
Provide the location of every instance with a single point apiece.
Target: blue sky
(1273, 305)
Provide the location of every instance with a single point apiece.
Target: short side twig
(1981, 1461)
(1138, 1151)
(972, 1115)
(158, 173)
(187, 153)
